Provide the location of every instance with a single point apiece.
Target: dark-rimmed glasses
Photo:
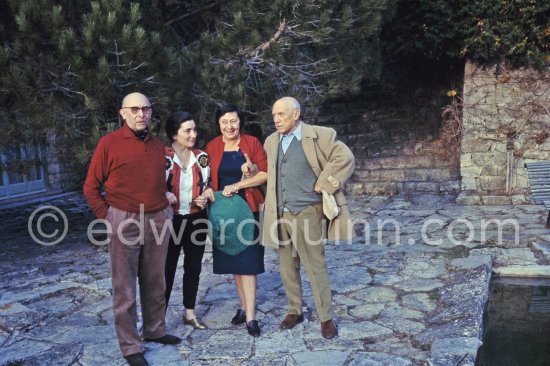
(135, 110)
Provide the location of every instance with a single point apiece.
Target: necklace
(183, 156)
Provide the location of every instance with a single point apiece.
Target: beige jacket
(331, 161)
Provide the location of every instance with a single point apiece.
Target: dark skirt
(248, 262)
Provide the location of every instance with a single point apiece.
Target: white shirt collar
(296, 133)
(192, 160)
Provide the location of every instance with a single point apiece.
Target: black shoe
(136, 359)
(166, 339)
(253, 328)
(239, 318)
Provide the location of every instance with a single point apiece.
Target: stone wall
(63, 173)
(398, 147)
(506, 123)
(54, 168)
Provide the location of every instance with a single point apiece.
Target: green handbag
(232, 224)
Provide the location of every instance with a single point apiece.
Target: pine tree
(67, 72)
(255, 51)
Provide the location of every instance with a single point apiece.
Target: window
(22, 170)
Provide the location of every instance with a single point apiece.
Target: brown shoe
(328, 329)
(291, 320)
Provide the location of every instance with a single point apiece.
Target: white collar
(192, 160)
(296, 133)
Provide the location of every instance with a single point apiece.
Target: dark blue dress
(251, 260)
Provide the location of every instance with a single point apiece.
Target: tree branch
(192, 13)
(264, 46)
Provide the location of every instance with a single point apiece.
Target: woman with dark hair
(239, 168)
(188, 178)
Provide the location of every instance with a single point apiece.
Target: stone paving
(415, 297)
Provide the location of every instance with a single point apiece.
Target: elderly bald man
(304, 160)
(129, 163)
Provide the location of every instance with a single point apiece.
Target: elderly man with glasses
(303, 161)
(129, 163)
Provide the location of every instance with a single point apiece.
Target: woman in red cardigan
(239, 166)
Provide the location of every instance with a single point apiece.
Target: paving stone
(420, 301)
(158, 354)
(58, 354)
(36, 293)
(386, 279)
(321, 358)
(455, 329)
(217, 346)
(340, 283)
(392, 303)
(451, 351)
(413, 285)
(11, 309)
(22, 350)
(471, 285)
(341, 312)
(22, 321)
(469, 307)
(524, 271)
(3, 337)
(270, 360)
(399, 347)
(281, 341)
(472, 262)
(404, 326)
(423, 268)
(345, 300)
(220, 292)
(315, 342)
(515, 256)
(375, 295)
(367, 311)
(378, 359)
(360, 330)
(400, 312)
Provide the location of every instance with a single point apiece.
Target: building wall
(399, 147)
(506, 123)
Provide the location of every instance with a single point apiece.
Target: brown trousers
(137, 255)
(303, 234)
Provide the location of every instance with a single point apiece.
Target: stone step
(390, 150)
(385, 188)
(382, 138)
(408, 174)
(402, 162)
(380, 147)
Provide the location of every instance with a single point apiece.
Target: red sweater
(248, 145)
(132, 172)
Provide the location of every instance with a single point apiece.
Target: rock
(523, 271)
(375, 295)
(420, 301)
(329, 357)
(362, 330)
(413, 285)
(378, 359)
(473, 261)
(451, 351)
(366, 311)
